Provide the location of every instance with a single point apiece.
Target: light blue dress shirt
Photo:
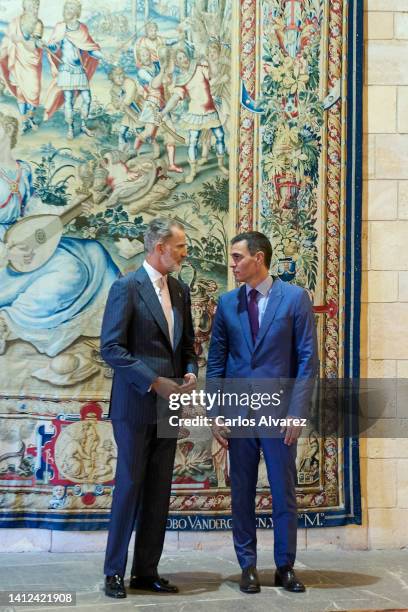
(264, 290)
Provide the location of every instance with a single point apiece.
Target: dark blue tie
(253, 313)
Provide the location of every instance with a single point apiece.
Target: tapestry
(226, 115)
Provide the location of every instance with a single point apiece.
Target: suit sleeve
(305, 347)
(189, 355)
(114, 339)
(218, 351)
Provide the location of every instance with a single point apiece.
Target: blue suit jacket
(135, 343)
(285, 347)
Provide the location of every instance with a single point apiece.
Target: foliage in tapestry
(291, 141)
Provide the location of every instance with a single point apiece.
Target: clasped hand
(165, 387)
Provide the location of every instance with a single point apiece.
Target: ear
(260, 258)
(159, 248)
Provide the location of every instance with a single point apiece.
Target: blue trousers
(280, 462)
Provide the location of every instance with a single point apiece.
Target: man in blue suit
(264, 330)
(147, 338)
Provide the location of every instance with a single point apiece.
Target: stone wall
(384, 338)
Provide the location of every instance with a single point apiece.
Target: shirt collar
(152, 273)
(263, 287)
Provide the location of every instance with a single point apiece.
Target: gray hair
(159, 230)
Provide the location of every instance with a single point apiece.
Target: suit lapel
(176, 294)
(149, 296)
(243, 317)
(275, 298)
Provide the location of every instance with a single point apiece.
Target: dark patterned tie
(253, 313)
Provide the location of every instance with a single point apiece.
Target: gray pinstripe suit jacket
(135, 343)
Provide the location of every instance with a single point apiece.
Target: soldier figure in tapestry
(74, 57)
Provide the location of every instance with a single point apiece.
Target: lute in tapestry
(39, 236)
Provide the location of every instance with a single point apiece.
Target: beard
(176, 267)
(171, 264)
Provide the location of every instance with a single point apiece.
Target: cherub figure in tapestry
(21, 59)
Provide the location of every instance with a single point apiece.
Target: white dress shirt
(155, 277)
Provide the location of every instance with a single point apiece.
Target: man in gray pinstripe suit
(147, 338)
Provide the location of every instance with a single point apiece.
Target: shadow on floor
(191, 583)
(324, 579)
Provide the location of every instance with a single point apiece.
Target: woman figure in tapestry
(21, 59)
(60, 301)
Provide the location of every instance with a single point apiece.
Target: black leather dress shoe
(249, 582)
(152, 583)
(285, 577)
(114, 587)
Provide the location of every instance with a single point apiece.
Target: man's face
(118, 78)
(244, 266)
(70, 11)
(182, 61)
(30, 21)
(174, 251)
(151, 31)
(213, 52)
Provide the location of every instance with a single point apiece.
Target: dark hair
(256, 241)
